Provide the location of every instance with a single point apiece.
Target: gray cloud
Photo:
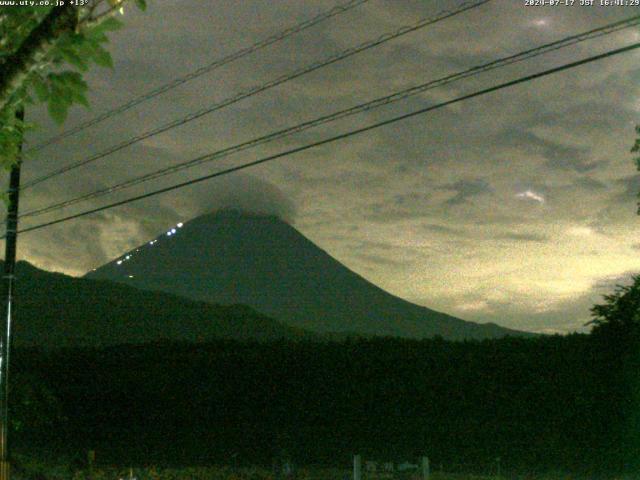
(438, 189)
(466, 189)
(557, 155)
(631, 186)
(378, 260)
(387, 212)
(522, 237)
(443, 229)
(606, 284)
(243, 192)
(588, 183)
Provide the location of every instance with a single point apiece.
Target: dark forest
(558, 403)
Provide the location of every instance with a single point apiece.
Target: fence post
(91, 459)
(357, 467)
(425, 468)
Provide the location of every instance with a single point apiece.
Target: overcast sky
(517, 207)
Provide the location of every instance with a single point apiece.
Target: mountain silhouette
(231, 257)
(54, 310)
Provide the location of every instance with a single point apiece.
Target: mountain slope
(230, 257)
(55, 310)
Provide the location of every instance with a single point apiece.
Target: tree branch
(98, 19)
(35, 47)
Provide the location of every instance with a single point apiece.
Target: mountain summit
(231, 257)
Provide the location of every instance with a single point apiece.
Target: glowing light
(130, 276)
(173, 230)
(150, 243)
(119, 262)
(169, 234)
(531, 196)
(180, 225)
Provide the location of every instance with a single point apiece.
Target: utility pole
(357, 467)
(11, 239)
(426, 471)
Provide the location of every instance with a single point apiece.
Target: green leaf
(95, 35)
(102, 57)
(81, 99)
(41, 88)
(109, 25)
(73, 58)
(85, 50)
(141, 4)
(76, 38)
(55, 80)
(58, 110)
(60, 91)
(73, 79)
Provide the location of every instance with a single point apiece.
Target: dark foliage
(542, 404)
(619, 315)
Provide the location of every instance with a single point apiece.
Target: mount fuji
(231, 257)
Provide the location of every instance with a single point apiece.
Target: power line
(335, 138)
(337, 10)
(261, 88)
(394, 97)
